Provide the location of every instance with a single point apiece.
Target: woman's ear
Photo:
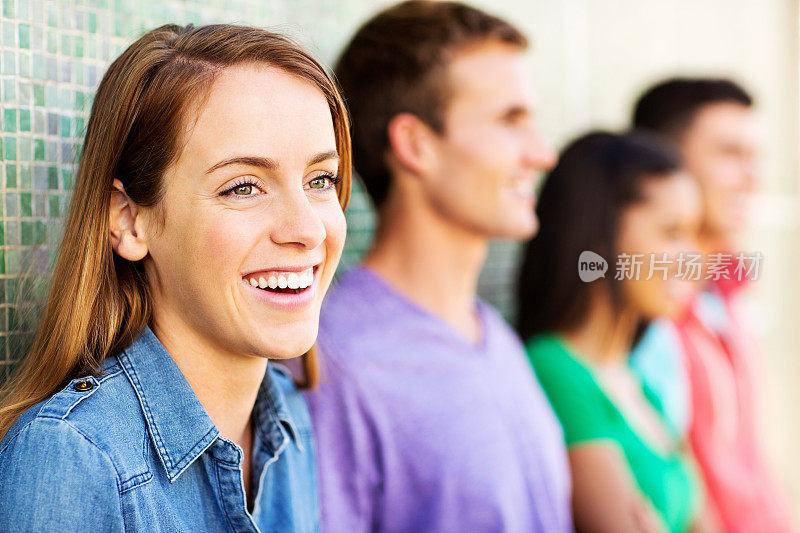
(125, 226)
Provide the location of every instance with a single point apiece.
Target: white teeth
(291, 280)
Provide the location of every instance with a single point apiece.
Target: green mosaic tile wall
(52, 56)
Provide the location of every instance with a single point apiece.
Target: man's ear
(411, 143)
(126, 228)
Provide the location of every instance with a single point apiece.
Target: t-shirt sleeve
(573, 393)
(52, 478)
(347, 452)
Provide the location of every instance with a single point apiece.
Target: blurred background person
(428, 417)
(710, 371)
(612, 194)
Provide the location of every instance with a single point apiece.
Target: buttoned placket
(227, 457)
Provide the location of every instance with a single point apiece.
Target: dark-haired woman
(625, 198)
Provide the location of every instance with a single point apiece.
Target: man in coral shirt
(712, 122)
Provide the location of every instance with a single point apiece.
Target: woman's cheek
(335, 228)
(227, 239)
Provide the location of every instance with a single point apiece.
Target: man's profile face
(491, 154)
(720, 148)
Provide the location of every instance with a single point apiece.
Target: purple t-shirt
(419, 430)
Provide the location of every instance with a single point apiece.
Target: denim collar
(176, 420)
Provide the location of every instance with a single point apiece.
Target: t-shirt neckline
(481, 346)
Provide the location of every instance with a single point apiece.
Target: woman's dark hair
(579, 208)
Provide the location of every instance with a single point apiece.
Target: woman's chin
(285, 346)
(281, 336)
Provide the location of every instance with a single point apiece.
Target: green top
(587, 413)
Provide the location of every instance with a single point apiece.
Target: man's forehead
(725, 116)
(492, 71)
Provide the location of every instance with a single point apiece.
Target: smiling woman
(205, 227)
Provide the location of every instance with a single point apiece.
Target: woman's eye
(243, 190)
(318, 183)
(322, 182)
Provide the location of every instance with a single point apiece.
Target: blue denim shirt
(134, 450)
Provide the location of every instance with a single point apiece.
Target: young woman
(625, 198)
(205, 227)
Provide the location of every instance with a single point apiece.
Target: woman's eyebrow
(250, 160)
(267, 163)
(323, 156)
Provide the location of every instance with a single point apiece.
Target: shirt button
(83, 385)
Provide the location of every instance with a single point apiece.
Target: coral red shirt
(719, 357)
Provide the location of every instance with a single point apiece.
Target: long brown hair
(99, 302)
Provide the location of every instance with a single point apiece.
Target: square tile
(8, 9)
(9, 35)
(24, 64)
(9, 63)
(11, 176)
(25, 94)
(37, 38)
(27, 232)
(25, 176)
(10, 148)
(52, 42)
(25, 149)
(23, 9)
(12, 229)
(38, 149)
(39, 178)
(25, 207)
(24, 120)
(40, 233)
(38, 95)
(10, 120)
(52, 15)
(52, 178)
(39, 205)
(9, 91)
(53, 206)
(24, 36)
(66, 179)
(39, 67)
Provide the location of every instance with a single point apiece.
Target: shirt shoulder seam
(80, 400)
(68, 424)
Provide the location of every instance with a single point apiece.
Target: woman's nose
(298, 223)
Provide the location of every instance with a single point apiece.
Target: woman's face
(250, 231)
(666, 221)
